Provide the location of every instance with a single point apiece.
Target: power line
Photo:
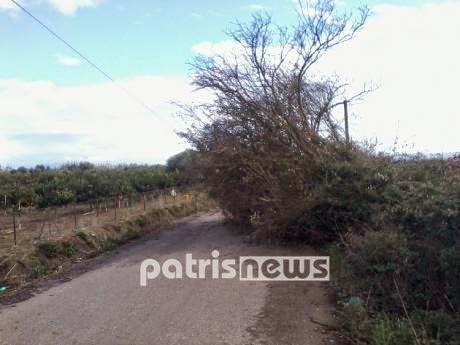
(92, 64)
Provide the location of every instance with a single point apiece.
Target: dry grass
(34, 225)
(47, 244)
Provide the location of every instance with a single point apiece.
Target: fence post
(115, 208)
(143, 198)
(195, 202)
(75, 217)
(14, 226)
(55, 217)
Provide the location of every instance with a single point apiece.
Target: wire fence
(31, 225)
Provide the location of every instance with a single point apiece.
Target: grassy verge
(24, 265)
(380, 309)
(397, 281)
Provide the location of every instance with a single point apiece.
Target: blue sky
(126, 38)
(55, 107)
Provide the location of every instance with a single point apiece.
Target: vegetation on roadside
(23, 265)
(277, 161)
(403, 271)
(80, 182)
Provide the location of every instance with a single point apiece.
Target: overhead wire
(85, 58)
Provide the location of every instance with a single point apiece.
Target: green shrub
(68, 249)
(109, 244)
(437, 327)
(387, 331)
(86, 238)
(130, 235)
(383, 332)
(424, 328)
(375, 260)
(425, 211)
(49, 249)
(450, 264)
(141, 221)
(83, 236)
(38, 270)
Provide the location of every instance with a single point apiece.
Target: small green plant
(86, 238)
(141, 221)
(130, 234)
(83, 236)
(49, 249)
(109, 244)
(383, 334)
(68, 249)
(38, 270)
(438, 327)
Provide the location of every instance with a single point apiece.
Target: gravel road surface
(107, 306)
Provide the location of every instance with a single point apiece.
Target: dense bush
(270, 148)
(277, 161)
(408, 267)
(421, 328)
(184, 167)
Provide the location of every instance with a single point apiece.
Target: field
(48, 238)
(50, 224)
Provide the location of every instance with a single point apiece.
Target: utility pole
(345, 110)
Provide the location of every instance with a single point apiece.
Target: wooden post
(115, 208)
(143, 198)
(49, 226)
(14, 226)
(55, 216)
(75, 217)
(345, 110)
(195, 202)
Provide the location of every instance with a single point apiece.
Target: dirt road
(107, 306)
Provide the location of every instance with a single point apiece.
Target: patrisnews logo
(282, 268)
(246, 268)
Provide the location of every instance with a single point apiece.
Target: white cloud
(9, 149)
(68, 60)
(100, 122)
(9, 8)
(256, 7)
(223, 48)
(69, 7)
(228, 49)
(6, 5)
(411, 52)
